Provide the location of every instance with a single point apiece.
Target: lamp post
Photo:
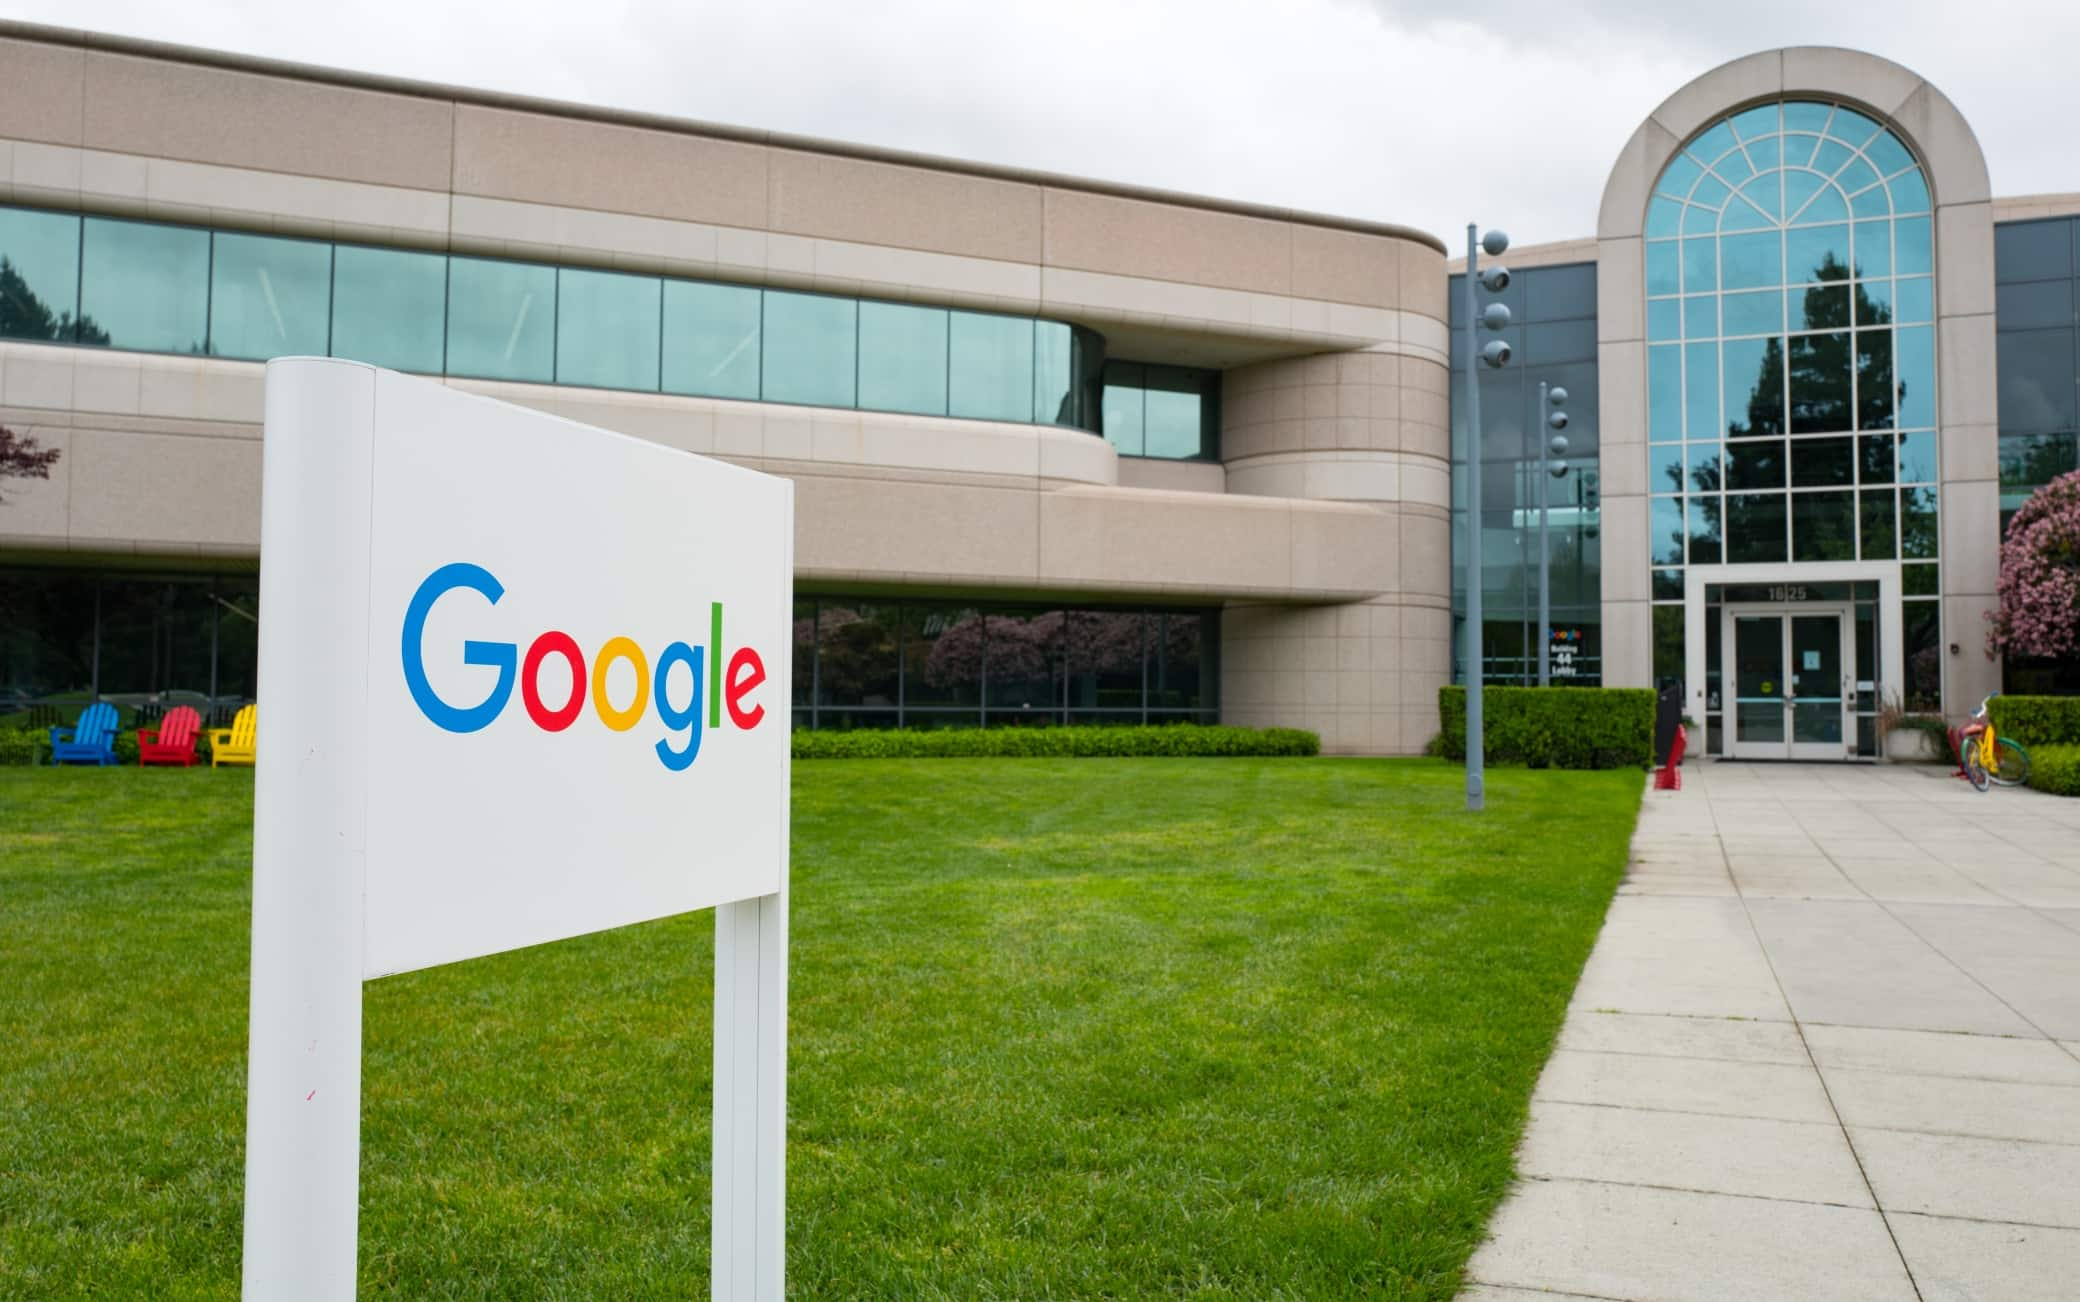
(1553, 402)
(1495, 355)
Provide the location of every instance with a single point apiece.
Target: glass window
(1058, 397)
(1023, 681)
(1754, 387)
(1125, 383)
(1701, 316)
(501, 320)
(1914, 372)
(1704, 467)
(1665, 268)
(1104, 653)
(1917, 523)
(1755, 463)
(1873, 302)
(942, 660)
(389, 307)
(1912, 254)
(1704, 512)
(902, 358)
(1874, 248)
(1669, 664)
(145, 286)
(804, 676)
(2035, 250)
(1664, 394)
(2029, 305)
(1917, 458)
(39, 275)
(1918, 580)
(1820, 307)
(1701, 389)
(155, 639)
(991, 363)
(1914, 299)
(1666, 532)
(1700, 265)
(1823, 526)
(1174, 417)
(1817, 253)
(711, 339)
(1820, 376)
(2030, 461)
(1876, 458)
(1821, 463)
(856, 661)
(1665, 468)
(2036, 373)
(1924, 654)
(607, 329)
(1751, 261)
(1665, 319)
(1880, 533)
(1754, 527)
(1179, 668)
(1874, 402)
(1754, 313)
(269, 297)
(810, 349)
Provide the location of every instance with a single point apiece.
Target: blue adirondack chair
(90, 741)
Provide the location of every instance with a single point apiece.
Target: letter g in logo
(500, 655)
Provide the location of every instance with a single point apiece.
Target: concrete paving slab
(1974, 1261)
(1982, 1179)
(1730, 1089)
(1955, 1105)
(1732, 1039)
(1805, 1161)
(1620, 1241)
(1935, 1053)
(1854, 964)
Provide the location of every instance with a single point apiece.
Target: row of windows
(2038, 357)
(154, 287)
(1880, 524)
(69, 636)
(1798, 162)
(1907, 301)
(1803, 384)
(1878, 250)
(870, 663)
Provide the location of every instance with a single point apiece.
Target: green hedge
(1174, 740)
(2055, 769)
(1555, 727)
(19, 746)
(2037, 720)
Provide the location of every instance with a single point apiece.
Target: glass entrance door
(1790, 689)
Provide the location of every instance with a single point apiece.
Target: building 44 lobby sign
(520, 680)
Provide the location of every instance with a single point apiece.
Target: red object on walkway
(1670, 778)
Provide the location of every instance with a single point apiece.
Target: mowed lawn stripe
(1059, 1028)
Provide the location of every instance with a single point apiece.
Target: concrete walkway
(1828, 1046)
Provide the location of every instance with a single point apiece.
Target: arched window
(1791, 345)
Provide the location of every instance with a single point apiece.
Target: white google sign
(520, 679)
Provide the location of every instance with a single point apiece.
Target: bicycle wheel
(1975, 766)
(2011, 763)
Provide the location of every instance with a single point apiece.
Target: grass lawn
(1060, 1028)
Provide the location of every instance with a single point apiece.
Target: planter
(1914, 746)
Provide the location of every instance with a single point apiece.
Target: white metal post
(748, 1244)
(303, 1074)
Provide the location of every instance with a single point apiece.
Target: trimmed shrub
(2037, 720)
(2055, 769)
(1162, 740)
(20, 746)
(1555, 727)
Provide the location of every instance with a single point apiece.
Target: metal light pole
(1496, 354)
(1553, 402)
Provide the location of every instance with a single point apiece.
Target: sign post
(521, 680)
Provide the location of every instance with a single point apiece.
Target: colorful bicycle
(1985, 758)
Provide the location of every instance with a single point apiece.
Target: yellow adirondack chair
(233, 745)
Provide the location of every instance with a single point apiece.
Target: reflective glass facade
(1553, 335)
(1162, 411)
(863, 662)
(2037, 275)
(1791, 356)
(143, 641)
(158, 287)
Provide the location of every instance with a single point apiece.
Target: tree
(2039, 584)
(22, 457)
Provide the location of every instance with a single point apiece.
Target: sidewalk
(1827, 1046)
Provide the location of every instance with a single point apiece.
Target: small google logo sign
(723, 689)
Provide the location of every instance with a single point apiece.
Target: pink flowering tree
(2039, 584)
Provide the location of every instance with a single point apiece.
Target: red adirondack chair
(173, 741)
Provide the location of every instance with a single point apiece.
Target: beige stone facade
(1323, 530)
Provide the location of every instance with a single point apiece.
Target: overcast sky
(1366, 108)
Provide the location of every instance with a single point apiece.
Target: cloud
(1391, 110)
